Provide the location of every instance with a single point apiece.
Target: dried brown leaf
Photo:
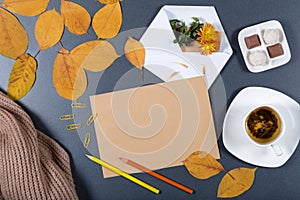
(236, 182)
(202, 165)
(22, 77)
(80, 53)
(108, 20)
(182, 64)
(172, 75)
(48, 29)
(13, 37)
(101, 57)
(135, 53)
(68, 78)
(76, 18)
(204, 69)
(26, 7)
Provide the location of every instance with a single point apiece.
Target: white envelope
(164, 57)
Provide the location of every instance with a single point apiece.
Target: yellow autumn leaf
(108, 20)
(68, 78)
(80, 52)
(22, 77)
(26, 7)
(76, 18)
(236, 182)
(48, 29)
(135, 52)
(101, 57)
(202, 165)
(80, 84)
(108, 1)
(13, 37)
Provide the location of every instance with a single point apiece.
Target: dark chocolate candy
(252, 41)
(275, 50)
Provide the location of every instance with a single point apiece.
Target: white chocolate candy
(271, 36)
(258, 58)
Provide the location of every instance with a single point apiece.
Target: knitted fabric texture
(32, 166)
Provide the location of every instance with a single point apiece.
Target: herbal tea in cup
(264, 126)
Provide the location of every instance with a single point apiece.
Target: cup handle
(277, 150)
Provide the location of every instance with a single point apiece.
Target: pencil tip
(88, 156)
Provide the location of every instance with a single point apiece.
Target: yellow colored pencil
(124, 174)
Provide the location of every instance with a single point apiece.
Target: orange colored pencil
(157, 175)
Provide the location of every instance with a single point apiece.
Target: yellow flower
(209, 47)
(207, 33)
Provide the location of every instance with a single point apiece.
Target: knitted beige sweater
(32, 166)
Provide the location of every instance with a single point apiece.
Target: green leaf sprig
(184, 34)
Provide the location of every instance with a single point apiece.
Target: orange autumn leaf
(108, 20)
(68, 77)
(108, 1)
(76, 18)
(236, 182)
(13, 37)
(48, 29)
(135, 53)
(101, 57)
(22, 77)
(202, 165)
(26, 7)
(80, 53)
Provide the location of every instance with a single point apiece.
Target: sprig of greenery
(184, 34)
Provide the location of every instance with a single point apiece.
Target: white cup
(273, 143)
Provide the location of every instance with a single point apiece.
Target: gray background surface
(45, 106)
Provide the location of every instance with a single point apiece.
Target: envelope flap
(161, 20)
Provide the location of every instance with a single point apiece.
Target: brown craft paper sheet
(157, 126)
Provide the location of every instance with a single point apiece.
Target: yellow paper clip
(87, 140)
(91, 119)
(78, 105)
(67, 117)
(73, 127)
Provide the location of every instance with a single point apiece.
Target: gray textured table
(45, 106)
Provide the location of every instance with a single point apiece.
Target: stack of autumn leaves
(69, 78)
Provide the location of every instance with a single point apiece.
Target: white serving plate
(235, 138)
(159, 38)
(258, 29)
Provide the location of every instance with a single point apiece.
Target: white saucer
(237, 142)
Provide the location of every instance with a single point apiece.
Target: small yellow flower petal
(207, 33)
(209, 48)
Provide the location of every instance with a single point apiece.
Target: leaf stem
(61, 44)
(230, 175)
(37, 53)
